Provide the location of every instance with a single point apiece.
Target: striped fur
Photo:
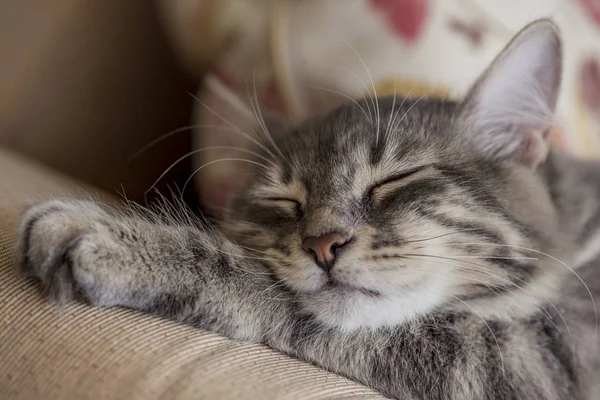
(467, 276)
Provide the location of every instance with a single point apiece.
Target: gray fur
(451, 287)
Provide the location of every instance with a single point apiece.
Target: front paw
(54, 243)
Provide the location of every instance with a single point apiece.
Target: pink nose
(324, 248)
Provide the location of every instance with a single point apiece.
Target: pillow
(296, 58)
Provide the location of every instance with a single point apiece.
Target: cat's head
(384, 210)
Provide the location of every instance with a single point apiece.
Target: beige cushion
(80, 352)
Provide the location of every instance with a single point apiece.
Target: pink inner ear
(514, 102)
(535, 148)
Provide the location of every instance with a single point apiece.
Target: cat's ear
(509, 111)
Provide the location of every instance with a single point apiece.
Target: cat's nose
(324, 248)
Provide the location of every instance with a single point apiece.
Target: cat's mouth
(337, 286)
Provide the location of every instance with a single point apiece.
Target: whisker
(252, 273)
(174, 132)
(497, 258)
(254, 250)
(241, 255)
(440, 236)
(220, 160)
(561, 263)
(387, 129)
(520, 280)
(231, 98)
(234, 127)
(543, 310)
(494, 289)
(407, 111)
(258, 113)
(376, 101)
(280, 296)
(350, 98)
(275, 285)
(482, 269)
(491, 331)
(191, 153)
(445, 258)
(393, 126)
(364, 86)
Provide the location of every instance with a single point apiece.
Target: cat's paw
(67, 246)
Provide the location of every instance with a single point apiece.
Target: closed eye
(385, 186)
(285, 202)
(281, 200)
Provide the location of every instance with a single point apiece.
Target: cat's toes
(48, 240)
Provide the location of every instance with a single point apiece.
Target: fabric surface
(80, 352)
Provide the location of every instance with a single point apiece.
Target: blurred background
(84, 85)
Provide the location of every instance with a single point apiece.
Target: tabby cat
(428, 249)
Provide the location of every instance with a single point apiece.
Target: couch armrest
(80, 352)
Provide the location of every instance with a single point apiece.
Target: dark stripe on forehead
(335, 182)
(377, 149)
(286, 174)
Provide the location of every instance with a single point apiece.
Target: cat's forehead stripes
(346, 169)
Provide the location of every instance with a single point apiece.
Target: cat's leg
(180, 272)
(79, 250)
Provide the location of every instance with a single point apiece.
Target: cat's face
(372, 221)
(358, 225)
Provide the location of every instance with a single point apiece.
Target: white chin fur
(356, 310)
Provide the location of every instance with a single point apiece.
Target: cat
(429, 249)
